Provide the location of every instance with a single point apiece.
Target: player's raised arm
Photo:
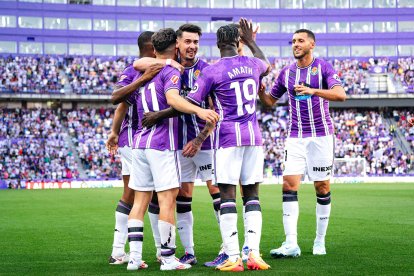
(247, 37)
(152, 118)
(143, 63)
(121, 93)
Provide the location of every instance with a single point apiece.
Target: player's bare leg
(253, 225)
(136, 229)
(185, 222)
(118, 255)
(290, 247)
(323, 211)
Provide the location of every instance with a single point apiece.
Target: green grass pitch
(63, 232)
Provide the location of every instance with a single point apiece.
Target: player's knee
(186, 190)
(323, 199)
(227, 191)
(250, 190)
(183, 204)
(322, 187)
(289, 186)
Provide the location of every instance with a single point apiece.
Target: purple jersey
(309, 114)
(162, 136)
(190, 125)
(233, 83)
(130, 123)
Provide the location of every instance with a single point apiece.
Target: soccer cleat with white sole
(119, 260)
(230, 266)
(173, 264)
(286, 250)
(319, 248)
(135, 265)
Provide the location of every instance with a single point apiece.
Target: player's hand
(208, 115)
(177, 66)
(112, 143)
(151, 71)
(150, 118)
(411, 121)
(247, 35)
(191, 148)
(262, 89)
(303, 90)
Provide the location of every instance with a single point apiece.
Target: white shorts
(234, 164)
(126, 159)
(201, 163)
(154, 170)
(312, 156)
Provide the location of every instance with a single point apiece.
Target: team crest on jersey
(122, 77)
(174, 79)
(196, 74)
(337, 77)
(314, 71)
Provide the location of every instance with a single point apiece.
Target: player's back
(161, 136)
(235, 82)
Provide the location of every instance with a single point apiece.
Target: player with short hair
(310, 83)
(124, 126)
(232, 83)
(155, 163)
(194, 148)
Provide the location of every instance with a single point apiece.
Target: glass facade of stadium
(344, 28)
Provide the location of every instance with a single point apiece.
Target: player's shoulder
(129, 70)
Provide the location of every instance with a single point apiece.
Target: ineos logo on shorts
(322, 169)
(205, 167)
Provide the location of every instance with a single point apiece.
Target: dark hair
(308, 32)
(163, 39)
(228, 34)
(190, 28)
(143, 39)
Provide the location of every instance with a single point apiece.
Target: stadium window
(151, 3)
(320, 51)
(361, 27)
(54, 23)
(338, 27)
(80, 2)
(271, 51)
(221, 4)
(175, 3)
(215, 25)
(338, 4)
(30, 48)
(104, 50)
(291, 4)
(55, 1)
(267, 4)
(204, 25)
(127, 50)
(56, 48)
(316, 27)
(151, 25)
(286, 51)
(198, 4)
(362, 51)
(405, 4)
(175, 24)
(128, 25)
(245, 4)
(406, 50)
(104, 2)
(269, 27)
(80, 24)
(385, 26)
(204, 51)
(384, 3)
(339, 51)
(131, 3)
(356, 4)
(103, 25)
(314, 4)
(30, 22)
(80, 49)
(9, 47)
(385, 50)
(406, 26)
(7, 21)
(290, 27)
